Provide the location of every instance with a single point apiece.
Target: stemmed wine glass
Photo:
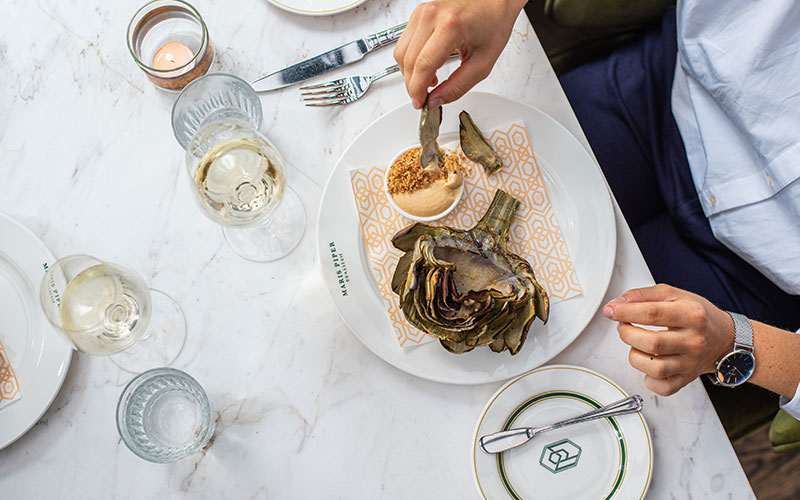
(106, 309)
(236, 173)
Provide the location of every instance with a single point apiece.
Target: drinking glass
(164, 415)
(106, 309)
(236, 173)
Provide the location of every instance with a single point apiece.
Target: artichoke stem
(497, 219)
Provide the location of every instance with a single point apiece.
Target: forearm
(777, 354)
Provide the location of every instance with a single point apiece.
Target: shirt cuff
(792, 406)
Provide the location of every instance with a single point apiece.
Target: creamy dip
(433, 199)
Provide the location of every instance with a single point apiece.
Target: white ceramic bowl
(405, 214)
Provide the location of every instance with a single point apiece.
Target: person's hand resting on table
(478, 31)
(698, 334)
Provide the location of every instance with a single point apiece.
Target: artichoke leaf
(475, 146)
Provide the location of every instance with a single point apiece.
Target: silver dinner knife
(505, 440)
(329, 61)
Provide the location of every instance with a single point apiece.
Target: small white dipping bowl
(407, 215)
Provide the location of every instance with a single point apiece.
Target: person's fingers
(659, 342)
(432, 56)
(656, 366)
(405, 39)
(666, 386)
(649, 313)
(655, 293)
(471, 71)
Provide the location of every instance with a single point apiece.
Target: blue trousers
(623, 104)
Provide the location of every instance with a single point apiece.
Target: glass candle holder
(164, 415)
(169, 40)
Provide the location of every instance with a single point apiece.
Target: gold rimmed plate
(602, 459)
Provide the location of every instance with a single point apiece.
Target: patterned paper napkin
(534, 233)
(9, 387)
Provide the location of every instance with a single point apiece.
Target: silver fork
(343, 90)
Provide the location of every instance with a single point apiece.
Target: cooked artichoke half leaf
(401, 271)
(475, 146)
(430, 158)
(465, 287)
(406, 238)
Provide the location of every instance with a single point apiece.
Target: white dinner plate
(38, 354)
(601, 459)
(317, 7)
(578, 194)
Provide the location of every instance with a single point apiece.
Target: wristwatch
(736, 367)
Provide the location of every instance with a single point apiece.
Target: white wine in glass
(237, 182)
(237, 174)
(106, 309)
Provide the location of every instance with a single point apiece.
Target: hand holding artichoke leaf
(465, 287)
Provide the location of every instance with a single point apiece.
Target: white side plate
(602, 459)
(39, 355)
(316, 7)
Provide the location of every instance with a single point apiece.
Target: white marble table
(88, 162)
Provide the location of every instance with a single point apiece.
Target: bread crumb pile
(406, 174)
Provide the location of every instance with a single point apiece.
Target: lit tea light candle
(172, 55)
(153, 35)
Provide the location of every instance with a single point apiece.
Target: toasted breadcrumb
(406, 175)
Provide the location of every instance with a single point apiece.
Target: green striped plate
(603, 459)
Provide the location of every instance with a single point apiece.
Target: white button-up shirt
(736, 100)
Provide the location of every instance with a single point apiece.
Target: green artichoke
(465, 287)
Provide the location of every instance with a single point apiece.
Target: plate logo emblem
(560, 456)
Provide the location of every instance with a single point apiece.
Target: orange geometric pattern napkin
(534, 233)
(9, 388)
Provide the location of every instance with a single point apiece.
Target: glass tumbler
(236, 173)
(164, 415)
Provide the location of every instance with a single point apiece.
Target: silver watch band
(743, 331)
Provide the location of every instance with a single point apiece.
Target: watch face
(735, 368)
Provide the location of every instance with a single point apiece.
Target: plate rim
(66, 362)
(316, 13)
(404, 366)
(542, 368)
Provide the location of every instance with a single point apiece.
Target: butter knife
(329, 61)
(505, 440)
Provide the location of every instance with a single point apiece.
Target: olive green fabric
(784, 433)
(571, 57)
(587, 29)
(604, 13)
(742, 409)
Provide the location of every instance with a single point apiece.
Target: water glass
(164, 415)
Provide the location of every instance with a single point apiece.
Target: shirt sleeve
(792, 406)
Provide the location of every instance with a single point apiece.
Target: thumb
(461, 81)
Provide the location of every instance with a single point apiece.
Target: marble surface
(88, 162)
